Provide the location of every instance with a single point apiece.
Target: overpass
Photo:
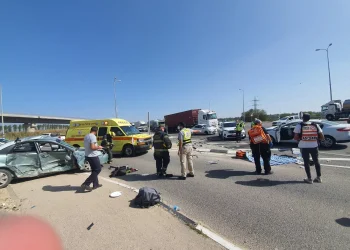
(29, 121)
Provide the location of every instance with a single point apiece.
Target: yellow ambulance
(127, 139)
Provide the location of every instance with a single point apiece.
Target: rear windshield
(229, 125)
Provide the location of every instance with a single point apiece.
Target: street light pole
(2, 114)
(115, 96)
(243, 105)
(329, 71)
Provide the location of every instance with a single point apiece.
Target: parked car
(37, 156)
(333, 132)
(228, 130)
(3, 141)
(285, 120)
(349, 119)
(56, 135)
(203, 129)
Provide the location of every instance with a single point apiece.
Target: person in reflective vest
(107, 144)
(185, 151)
(161, 144)
(308, 134)
(239, 128)
(260, 144)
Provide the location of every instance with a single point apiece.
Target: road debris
(176, 208)
(213, 162)
(115, 194)
(89, 227)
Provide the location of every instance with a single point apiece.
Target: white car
(203, 129)
(61, 137)
(333, 132)
(285, 120)
(228, 130)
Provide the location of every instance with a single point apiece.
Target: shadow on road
(335, 147)
(139, 177)
(55, 189)
(345, 222)
(224, 173)
(266, 183)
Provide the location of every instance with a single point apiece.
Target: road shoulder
(116, 224)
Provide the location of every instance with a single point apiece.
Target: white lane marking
(335, 166)
(217, 238)
(334, 154)
(118, 183)
(334, 159)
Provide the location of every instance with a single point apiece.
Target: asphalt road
(278, 211)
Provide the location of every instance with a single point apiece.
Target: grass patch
(15, 135)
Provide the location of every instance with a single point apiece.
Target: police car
(333, 132)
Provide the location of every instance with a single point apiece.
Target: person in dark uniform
(107, 145)
(260, 144)
(161, 144)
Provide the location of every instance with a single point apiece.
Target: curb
(188, 221)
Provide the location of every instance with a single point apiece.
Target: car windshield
(284, 118)
(130, 130)
(211, 116)
(229, 125)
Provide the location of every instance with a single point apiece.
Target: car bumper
(233, 135)
(142, 148)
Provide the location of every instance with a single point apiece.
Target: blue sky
(59, 58)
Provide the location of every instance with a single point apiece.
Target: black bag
(147, 197)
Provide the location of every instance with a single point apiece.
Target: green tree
(259, 113)
(15, 127)
(9, 128)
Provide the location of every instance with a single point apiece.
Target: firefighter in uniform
(309, 134)
(260, 143)
(161, 144)
(107, 145)
(185, 151)
(239, 128)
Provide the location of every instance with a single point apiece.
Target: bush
(15, 135)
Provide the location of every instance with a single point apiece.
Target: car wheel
(206, 132)
(328, 142)
(129, 151)
(330, 117)
(87, 166)
(5, 178)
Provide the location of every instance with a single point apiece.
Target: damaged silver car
(38, 156)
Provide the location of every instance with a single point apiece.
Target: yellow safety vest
(187, 136)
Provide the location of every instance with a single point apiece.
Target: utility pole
(2, 114)
(255, 105)
(115, 96)
(329, 71)
(243, 105)
(149, 125)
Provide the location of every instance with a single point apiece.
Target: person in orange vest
(260, 144)
(309, 134)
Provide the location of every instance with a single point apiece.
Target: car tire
(330, 117)
(206, 133)
(5, 178)
(128, 151)
(328, 142)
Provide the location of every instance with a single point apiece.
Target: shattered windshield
(130, 130)
(211, 116)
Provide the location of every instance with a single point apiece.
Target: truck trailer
(335, 110)
(190, 118)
